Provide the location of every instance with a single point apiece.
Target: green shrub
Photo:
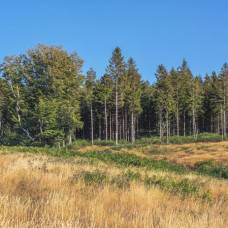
(133, 176)
(184, 187)
(212, 169)
(128, 160)
(96, 177)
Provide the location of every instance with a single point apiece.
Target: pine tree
(196, 103)
(133, 94)
(165, 101)
(106, 92)
(185, 78)
(223, 76)
(116, 69)
(90, 84)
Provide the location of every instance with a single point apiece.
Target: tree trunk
(91, 119)
(218, 124)
(70, 139)
(224, 114)
(211, 124)
(125, 127)
(99, 129)
(106, 122)
(132, 128)
(167, 127)
(160, 125)
(177, 120)
(222, 123)
(193, 123)
(184, 125)
(117, 122)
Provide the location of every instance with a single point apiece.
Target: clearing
(106, 186)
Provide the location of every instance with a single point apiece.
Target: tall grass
(67, 195)
(127, 160)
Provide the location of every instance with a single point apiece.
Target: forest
(45, 99)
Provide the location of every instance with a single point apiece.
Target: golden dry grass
(186, 154)
(42, 191)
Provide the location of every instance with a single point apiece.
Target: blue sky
(151, 31)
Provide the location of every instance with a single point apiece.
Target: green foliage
(44, 93)
(133, 176)
(44, 99)
(203, 137)
(51, 137)
(212, 169)
(131, 160)
(95, 177)
(184, 186)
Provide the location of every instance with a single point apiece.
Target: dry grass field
(84, 190)
(187, 154)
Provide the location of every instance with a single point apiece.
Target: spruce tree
(116, 69)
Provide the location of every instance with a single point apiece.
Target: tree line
(46, 99)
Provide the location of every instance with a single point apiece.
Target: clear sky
(151, 31)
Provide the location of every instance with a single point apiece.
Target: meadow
(141, 185)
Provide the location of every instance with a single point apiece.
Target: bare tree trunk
(218, 125)
(177, 120)
(117, 122)
(222, 123)
(110, 127)
(99, 129)
(91, 119)
(193, 123)
(184, 125)
(160, 125)
(18, 108)
(70, 139)
(41, 126)
(136, 129)
(167, 127)
(211, 124)
(106, 122)
(125, 126)
(132, 128)
(224, 110)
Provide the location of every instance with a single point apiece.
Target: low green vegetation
(203, 137)
(212, 169)
(131, 160)
(183, 187)
(123, 159)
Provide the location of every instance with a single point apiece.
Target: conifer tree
(90, 84)
(133, 93)
(116, 69)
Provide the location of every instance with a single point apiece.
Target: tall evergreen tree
(133, 93)
(90, 84)
(116, 69)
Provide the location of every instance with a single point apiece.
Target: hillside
(107, 186)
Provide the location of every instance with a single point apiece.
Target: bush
(96, 177)
(127, 160)
(212, 169)
(184, 187)
(51, 137)
(133, 176)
